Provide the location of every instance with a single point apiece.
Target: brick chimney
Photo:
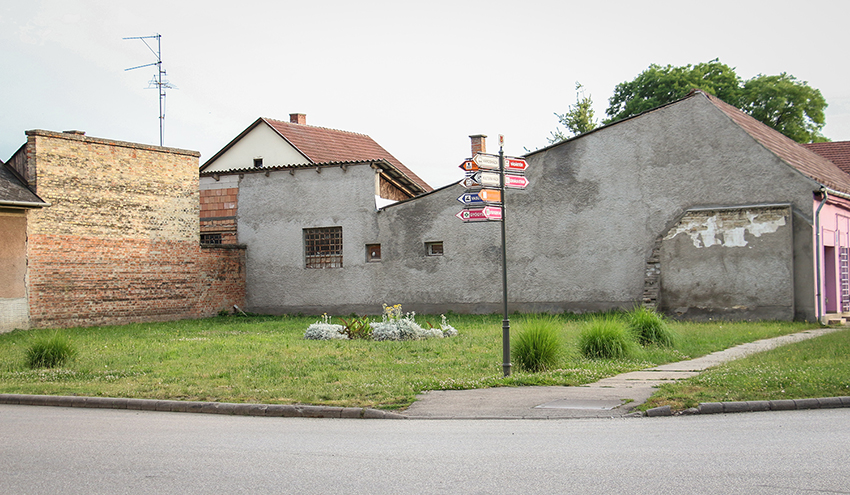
(298, 118)
(479, 144)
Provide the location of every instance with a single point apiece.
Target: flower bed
(393, 326)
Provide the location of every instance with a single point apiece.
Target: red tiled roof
(837, 152)
(791, 152)
(322, 145)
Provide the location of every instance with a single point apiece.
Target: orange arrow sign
(469, 166)
(490, 195)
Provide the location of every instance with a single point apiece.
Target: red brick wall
(81, 281)
(218, 213)
(120, 242)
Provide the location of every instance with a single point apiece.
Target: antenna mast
(158, 81)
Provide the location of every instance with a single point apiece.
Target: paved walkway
(616, 396)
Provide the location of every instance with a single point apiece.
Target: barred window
(210, 238)
(323, 247)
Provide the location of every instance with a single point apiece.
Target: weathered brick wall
(218, 213)
(120, 242)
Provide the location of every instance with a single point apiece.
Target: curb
(265, 410)
(754, 405)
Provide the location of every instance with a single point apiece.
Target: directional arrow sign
(481, 197)
(483, 160)
(489, 179)
(470, 182)
(515, 181)
(490, 195)
(515, 164)
(470, 198)
(480, 214)
(469, 166)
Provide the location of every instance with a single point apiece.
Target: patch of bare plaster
(727, 228)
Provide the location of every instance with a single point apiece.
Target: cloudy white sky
(418, 77)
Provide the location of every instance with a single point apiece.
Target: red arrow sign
(481, 214)
(515, 181)
(517, 164)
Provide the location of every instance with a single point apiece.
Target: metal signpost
(482, 205)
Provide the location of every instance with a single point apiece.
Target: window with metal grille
(323, 247)
(210, 238)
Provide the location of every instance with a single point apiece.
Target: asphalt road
(69, 450)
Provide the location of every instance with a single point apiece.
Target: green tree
(790, 106)
(658, 85)
(782, 102)
(578, 119)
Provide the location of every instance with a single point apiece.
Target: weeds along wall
(120, 242)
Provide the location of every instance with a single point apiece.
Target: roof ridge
(317, 127)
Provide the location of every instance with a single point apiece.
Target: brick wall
(218, 213)
(120, 242)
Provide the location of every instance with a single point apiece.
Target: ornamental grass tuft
(606, 337)
(49, 352)
(649, 327)
(538, 343)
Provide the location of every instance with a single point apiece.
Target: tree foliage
(658, 85)
(790, 106)
(782, 102)
(578, 119)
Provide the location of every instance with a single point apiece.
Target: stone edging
(267, 410)
(755, 405)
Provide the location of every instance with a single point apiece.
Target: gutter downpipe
(824, 197)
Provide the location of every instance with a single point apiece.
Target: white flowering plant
(325, 330)
(394, 325)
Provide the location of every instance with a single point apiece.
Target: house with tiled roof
(693, 207)
(838, 152)
(269, 145)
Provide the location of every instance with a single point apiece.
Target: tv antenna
(158, 81)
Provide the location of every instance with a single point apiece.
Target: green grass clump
(538, 343)
(649, 327)
(49, 352)
(606, 337)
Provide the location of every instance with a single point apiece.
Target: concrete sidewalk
(612, 397)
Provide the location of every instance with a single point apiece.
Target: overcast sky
(418, 77)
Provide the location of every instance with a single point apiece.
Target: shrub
(606, 337)
(325, 330)
(649, 327)
(49, 352)
(537, 344)
(357, 328)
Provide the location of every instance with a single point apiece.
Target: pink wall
(834, 223)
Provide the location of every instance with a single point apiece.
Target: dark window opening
(373, 252)
(258, 162)
(434, 248)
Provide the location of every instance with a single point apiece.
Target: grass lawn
(814, 368)
(265, 359)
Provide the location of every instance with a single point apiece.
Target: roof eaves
(294, 166)
(805, 161)
(230, 144)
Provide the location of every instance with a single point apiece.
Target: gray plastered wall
(578, 238)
